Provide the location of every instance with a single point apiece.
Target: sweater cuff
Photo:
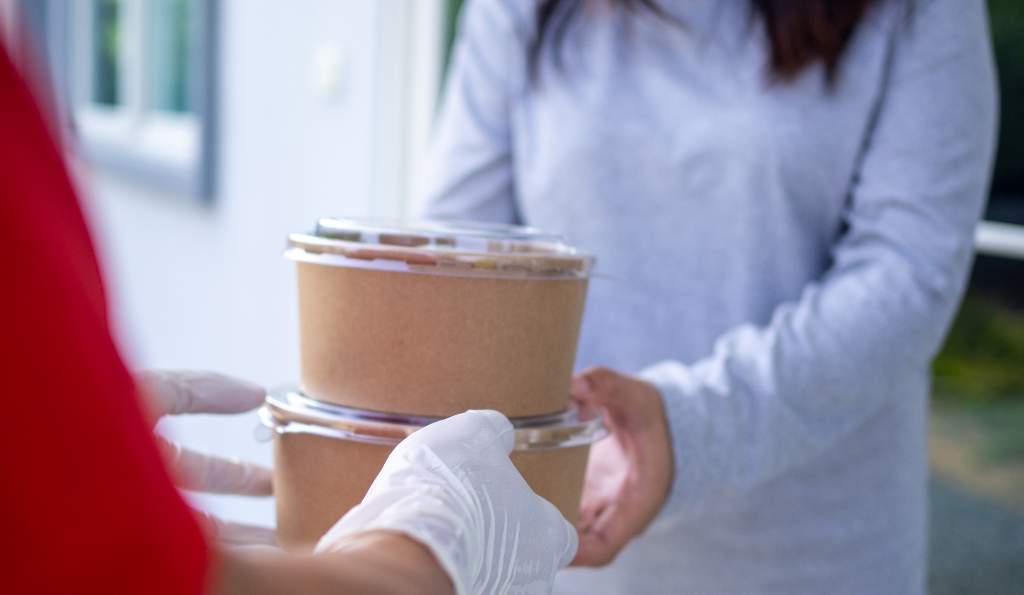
(676, 385)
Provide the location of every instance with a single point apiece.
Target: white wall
(200, 286)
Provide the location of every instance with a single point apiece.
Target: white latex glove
(452, 487)
(179, 392)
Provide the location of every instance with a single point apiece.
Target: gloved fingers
(217, 475)
(241, 534)
(470, 433)
(572, 544)
(176, 392)
(452, 487)
(565, 537)
(237, 534)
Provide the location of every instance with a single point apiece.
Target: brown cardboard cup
(318, 479)
(326, 456)
(437, 328)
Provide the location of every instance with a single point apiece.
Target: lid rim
(436, 236)
(288, 411)
(568, 263)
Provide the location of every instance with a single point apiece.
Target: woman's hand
(629, 472)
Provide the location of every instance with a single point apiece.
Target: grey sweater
(782, 260)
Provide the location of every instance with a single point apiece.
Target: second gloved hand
(185, 392)
(452, 487)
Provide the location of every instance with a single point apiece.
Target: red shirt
(86, 503)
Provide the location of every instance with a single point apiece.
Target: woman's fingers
(237, 534)
(611, 522)
(616, 524)
(177, 392)
(595, 386)
(616, 507)
(603, 479)
(217, 475)
(607, 389)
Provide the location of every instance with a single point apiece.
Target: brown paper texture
(318, 479)
(437, 345)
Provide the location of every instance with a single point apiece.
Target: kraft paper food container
(326, 456)
(434, 319)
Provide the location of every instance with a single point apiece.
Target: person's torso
(710, 195)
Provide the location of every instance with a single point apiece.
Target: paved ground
(977, 506)
(977, 544)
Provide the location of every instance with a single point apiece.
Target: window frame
(174, 153)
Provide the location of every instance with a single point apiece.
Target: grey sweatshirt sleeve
(769, 398)
(469, 172)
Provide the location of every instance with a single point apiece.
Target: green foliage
(1003, 425)
(1007, 19)
(983, 358)
(453, 11)
(106, 72)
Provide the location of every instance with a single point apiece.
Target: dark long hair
(800, 32)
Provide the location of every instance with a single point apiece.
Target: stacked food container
(403, 324)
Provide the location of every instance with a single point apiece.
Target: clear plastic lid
(444, 235)
(439, 247)
(289, 411)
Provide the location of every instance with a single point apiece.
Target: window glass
(167, 55)
(106, 50)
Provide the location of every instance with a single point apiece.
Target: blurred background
(204, 131)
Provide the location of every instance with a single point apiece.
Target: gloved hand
(179, 392)
(452, 487)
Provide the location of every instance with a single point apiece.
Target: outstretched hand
(181, 392)
(630, 471)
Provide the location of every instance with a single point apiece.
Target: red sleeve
(86, 502)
